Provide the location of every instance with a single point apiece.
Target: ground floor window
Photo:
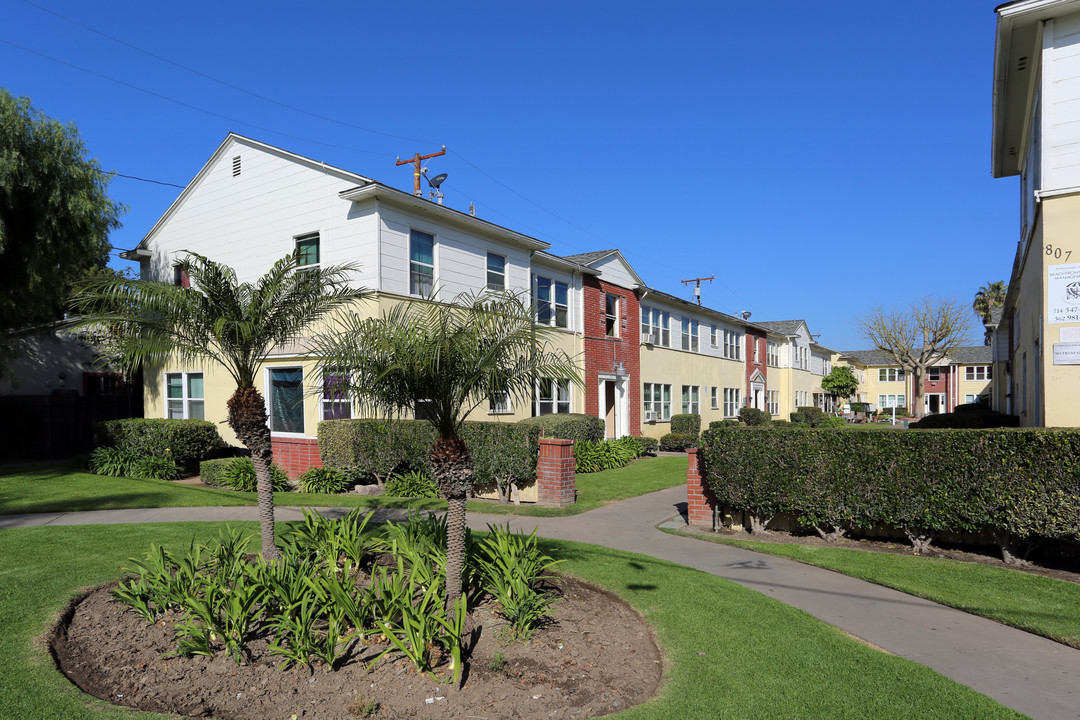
(970, 399)
(286, 400)
(691, 402)
(184, 396)
(774, 402)
(714, 398)
(887, 401)
(731, 402)
(335, 398)
(657, 399)
(500, 405)
(552, 396)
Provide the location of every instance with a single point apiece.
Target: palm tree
(989, 296)
(223, 321)
(453, 358)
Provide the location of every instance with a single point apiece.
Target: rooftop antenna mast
(416, 160)
(697, 286)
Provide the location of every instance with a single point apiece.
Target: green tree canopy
(55, 216)
(841, 382)
(988, 297)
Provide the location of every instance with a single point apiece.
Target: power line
(189, 105)
(145, 180)
(223, 82)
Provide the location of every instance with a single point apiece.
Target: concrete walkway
(1028, 673)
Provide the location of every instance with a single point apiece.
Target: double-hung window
(714, 398)
(888, 401)
(977, 372)
(691, 404)
(611, 315)
(772, 354)
(732, 345)
(773, 401)
(731, 402)
(757, 351)
(335, 397)
(307, 250)
(184, 396)
(500, 405)
(286, 400)
(657, 399)
(890, 375)
(421, 263)
(552, 299)
(712, 337)
(655, 326)
(933, 374)
(552, 396)
(689, 334)
(496, 272)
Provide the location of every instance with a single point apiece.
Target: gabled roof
(590, 257)
(787, 328)
(966, 355)
(593, 259)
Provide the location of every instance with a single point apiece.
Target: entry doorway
(614, 405)
(934, 403)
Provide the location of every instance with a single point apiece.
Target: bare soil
(596, 656)
(1060, 562)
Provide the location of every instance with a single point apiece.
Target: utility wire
(223, 82)
(145, 180)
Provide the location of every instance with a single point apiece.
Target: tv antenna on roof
(697, 286)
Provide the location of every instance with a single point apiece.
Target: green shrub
(678, 442)
(412, 484)
(594, 457)
(648, 445)
(114, 461)
(688, 424)
(185, 441)
(980, 417)
(322, 480)
(831, 421)
(503, 454)
(811, 416)
(239, 474)
(210, 470)
(569, 426)
(727, 422)
(156, 468)
(752, 417)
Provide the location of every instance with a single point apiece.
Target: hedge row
(1018, 484)
(569, 426)
(365, 450)
(186, 442)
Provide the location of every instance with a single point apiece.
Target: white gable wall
(1061, 94)
(613, 270)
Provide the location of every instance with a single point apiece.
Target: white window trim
(488, 271)
(324, 402)
(501, 406)
(185, 399)
(554, 305)
(434, 261)
(267, 389)
(663, 414)
(569, 402)
(618, 314)
(317, 237)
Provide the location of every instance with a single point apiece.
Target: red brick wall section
(555, 485)
(603, 353)
(699, 499)
(759, 338)
(296, 455)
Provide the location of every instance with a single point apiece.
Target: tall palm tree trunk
(247, 418)
(453, 471)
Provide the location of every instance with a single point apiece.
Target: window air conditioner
(650, 416)
(652, 338)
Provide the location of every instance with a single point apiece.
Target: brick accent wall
(756, 337)
(296, 455)
(699, 499)
(604, 353)
(555, 479)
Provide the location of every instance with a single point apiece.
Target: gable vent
(236, 166)
(1012, 151)
(1021, 63)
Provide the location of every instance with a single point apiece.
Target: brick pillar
(699, 499)
(555, 473)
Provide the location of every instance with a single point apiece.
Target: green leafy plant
(114, 461)
(322, 480)
(155, 468)
(413, 484)
(511, 568)
(240, 475)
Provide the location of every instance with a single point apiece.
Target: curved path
(1028, 673)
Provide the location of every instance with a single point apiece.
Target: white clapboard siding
(615, 271)
(1061, 101)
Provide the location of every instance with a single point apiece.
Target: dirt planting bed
(596, 657)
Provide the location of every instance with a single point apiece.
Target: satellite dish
(436, 181)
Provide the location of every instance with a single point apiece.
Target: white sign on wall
(1067, 353)
(1063, 293)
(1070, 334)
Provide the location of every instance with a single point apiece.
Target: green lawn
(729, 652)
(63, 489)
(1038, 604)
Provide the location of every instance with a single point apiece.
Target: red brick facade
(296, 455)
(756, 338)
(618, 354)
(555, 478)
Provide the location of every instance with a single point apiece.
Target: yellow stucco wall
(677, 368)
(1058, 385)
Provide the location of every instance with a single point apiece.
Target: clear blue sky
(818, 158)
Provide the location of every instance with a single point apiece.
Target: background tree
(454, 357)
(917, 336)
(988, 297)
(841, 382)
(222, 321)
(55, 217)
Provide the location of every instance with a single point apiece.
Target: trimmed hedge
(569, 426)
(185, 441)
(648, 445)
(365, 450)
(607, 455)
(210, 471)
(752, 417)
(979, 417)
(1018, 484)
(678, 442)
(686, 424)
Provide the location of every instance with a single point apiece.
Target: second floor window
(655, 326)
(732, 345)
(890, 375)
(307, 250)
(552, 302)
(772, 354)
(611, 315)
(977, 372)
(689, 334)
(421, 263)
(496, 272)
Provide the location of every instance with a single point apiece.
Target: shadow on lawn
(101, 502)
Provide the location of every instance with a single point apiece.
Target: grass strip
(1035, 603)
(729, 652)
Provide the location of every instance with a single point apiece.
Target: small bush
(678, 442)
(808, 416)
(210, 470)
(155, 468)
(569, 426)
(413, 484)
(727, 422)
(753, 417)
(967, 419)
(114, 461)
(831, 421)
(185, 441)
(688, 424)
(607, 455)
(648, 445)
(239, 475)
(322, 480)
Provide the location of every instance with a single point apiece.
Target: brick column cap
(555, 441)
